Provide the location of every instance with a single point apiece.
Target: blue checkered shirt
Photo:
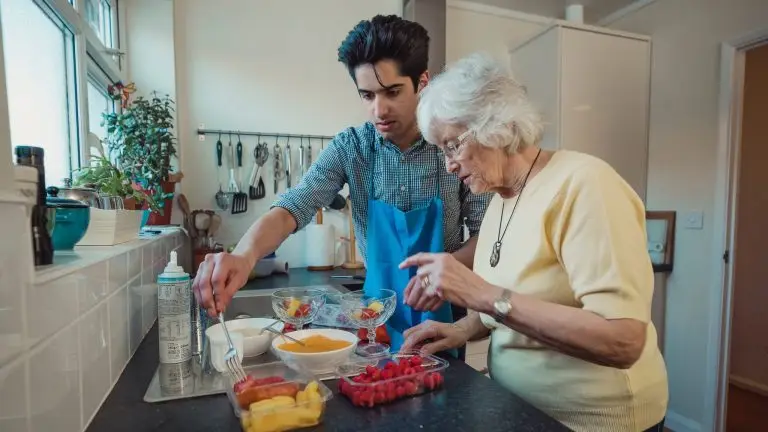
(406, 180)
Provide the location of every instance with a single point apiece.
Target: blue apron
(392, 236)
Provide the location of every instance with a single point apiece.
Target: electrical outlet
(694, 220)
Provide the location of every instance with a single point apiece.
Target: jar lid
(55, 202)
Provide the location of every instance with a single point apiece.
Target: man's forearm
(266, 235)
(466, 254)
(473, 326)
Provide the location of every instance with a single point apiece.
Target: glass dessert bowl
(298, 306)
(369, 312)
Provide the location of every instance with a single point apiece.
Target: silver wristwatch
(502, 306)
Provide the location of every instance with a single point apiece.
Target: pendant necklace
(496, 253)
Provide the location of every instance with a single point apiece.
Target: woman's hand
(443, 276)
(440, 337)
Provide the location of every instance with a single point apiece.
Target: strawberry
(400, 391)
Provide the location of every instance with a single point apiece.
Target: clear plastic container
(382, 380)
(292, 403)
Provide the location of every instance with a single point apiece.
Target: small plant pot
(165, 218)
(130, 204)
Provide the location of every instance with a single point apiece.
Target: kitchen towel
(320, 245)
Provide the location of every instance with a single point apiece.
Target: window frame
(92, 60)
(99, 79)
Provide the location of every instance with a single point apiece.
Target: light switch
(694, 220)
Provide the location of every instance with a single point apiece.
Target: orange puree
(315, 344)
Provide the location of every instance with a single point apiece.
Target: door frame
(732, 59)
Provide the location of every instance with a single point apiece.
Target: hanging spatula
(239, 199)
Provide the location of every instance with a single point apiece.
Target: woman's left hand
(443, 276)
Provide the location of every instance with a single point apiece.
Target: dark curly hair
(387, 38)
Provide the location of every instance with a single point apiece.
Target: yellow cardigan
(578, 239)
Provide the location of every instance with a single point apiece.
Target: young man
(403, 199)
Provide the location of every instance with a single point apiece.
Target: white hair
(478, 93)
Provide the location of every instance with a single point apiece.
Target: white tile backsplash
(13, 394)
(95, 379)
(51, 306)
(146, 256)
(134, 263)
(67, 331)
(149, 298)
(118, 328)
(135, 323)
(92, 286)
(54, 384)
(118, 273)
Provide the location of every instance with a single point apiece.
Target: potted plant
(141, 136)
(105, 177)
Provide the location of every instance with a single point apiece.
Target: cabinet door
(605, 97)
(536, 65)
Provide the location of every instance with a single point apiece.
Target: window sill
(67, 262)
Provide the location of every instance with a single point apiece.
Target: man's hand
(440, 337)
(224, 274)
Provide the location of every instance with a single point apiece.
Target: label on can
(174, 300)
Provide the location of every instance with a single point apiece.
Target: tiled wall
(65, 342)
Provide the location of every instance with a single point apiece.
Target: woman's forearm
(473, 326)
(576, 332)
(466, 254)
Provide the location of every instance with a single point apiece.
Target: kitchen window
(60, 56)
(99, 103)
(98, 14)
(40, 80)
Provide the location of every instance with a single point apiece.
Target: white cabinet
(592, 87)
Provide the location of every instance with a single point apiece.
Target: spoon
(270, 329)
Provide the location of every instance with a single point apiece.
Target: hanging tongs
(279, 173)
(301, 158)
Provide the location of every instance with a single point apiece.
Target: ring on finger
(425, 281)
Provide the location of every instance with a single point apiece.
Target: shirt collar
(381, 141)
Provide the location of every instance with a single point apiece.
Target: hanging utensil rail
(261, 134)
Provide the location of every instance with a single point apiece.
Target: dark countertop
(468, 402)
(299, 277)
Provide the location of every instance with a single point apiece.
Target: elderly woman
(562, 278)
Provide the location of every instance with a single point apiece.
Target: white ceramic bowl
(254, 344)
(219, 347)
(317, 363)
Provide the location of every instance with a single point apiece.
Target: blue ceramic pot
(71, 222)
(145, 217)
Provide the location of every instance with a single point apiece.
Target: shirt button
(402, 158)
(402, 188)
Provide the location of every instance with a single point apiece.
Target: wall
(682, 167)
(269, 67)
(473, 28)
(149, 46)
(749, 350)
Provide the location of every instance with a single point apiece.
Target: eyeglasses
(453, 148)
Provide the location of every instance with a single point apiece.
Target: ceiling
(594, 10)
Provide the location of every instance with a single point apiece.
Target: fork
(230, 357)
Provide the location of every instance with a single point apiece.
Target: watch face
(502, 308)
